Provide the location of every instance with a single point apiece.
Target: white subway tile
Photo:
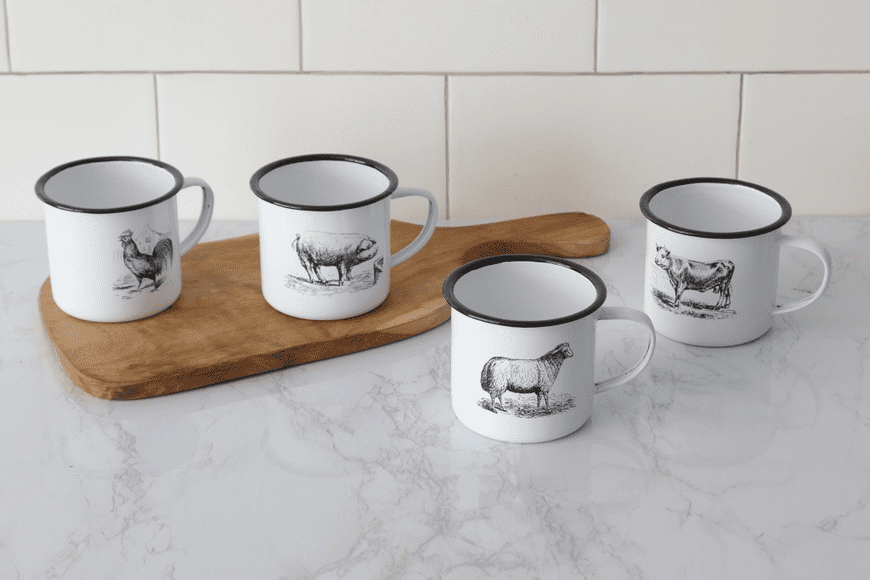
(523, 146)
(102, 35)
(807, 136)
(47, 120)
(223, 128)
(450, 36)
(733, 35)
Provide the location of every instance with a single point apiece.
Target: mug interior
(526, 291)
(718, 208)
(108, 184)
(320, 183)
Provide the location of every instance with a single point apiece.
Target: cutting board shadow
(221, 327)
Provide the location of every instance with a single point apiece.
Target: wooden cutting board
(221, 327)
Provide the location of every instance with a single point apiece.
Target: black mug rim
(655, 190)
(386, 171)
(42, 181)
(453, 278)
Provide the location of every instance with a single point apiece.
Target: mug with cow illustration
(712, 260)
(523, 345)
(111, 224)
(325, 234)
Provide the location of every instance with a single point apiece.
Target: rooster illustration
(143, 266)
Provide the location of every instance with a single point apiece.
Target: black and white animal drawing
(379, 268)
(521, 376)
(147, 267)
(686, 274)
(342, 251)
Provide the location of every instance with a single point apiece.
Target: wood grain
(221, 327)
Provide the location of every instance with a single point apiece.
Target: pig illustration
(344, 251)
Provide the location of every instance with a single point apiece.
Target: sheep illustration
(537, 375)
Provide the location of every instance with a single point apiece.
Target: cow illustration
(686, 274)
(342, 251)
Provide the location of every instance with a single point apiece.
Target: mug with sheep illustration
(523, 345)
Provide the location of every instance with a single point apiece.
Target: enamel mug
(712, 260)
(523, 345)
(111, 223)
(325, 234)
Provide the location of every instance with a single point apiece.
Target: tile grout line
(435, 73)
(8, 41)
(157, 117)
(446, 147)
(299, 16)
(739, 129)
(595, 41)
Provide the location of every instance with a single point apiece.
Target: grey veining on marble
(743, 462)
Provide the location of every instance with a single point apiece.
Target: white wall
(502, 108)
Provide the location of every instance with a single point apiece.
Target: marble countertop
(743, 462)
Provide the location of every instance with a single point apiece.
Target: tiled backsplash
(502, 108)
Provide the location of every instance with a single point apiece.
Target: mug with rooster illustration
(111, 224)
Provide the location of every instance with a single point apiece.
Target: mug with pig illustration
(712, 260)
(325, 234)
(113, 241)
(523, 345)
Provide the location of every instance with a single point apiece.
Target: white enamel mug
(325, 234)
(712, 260)
(113, 243)
(523, 345)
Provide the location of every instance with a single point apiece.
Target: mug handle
(824, 256)
(428, 229)
(625, 313)
(204, 216)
